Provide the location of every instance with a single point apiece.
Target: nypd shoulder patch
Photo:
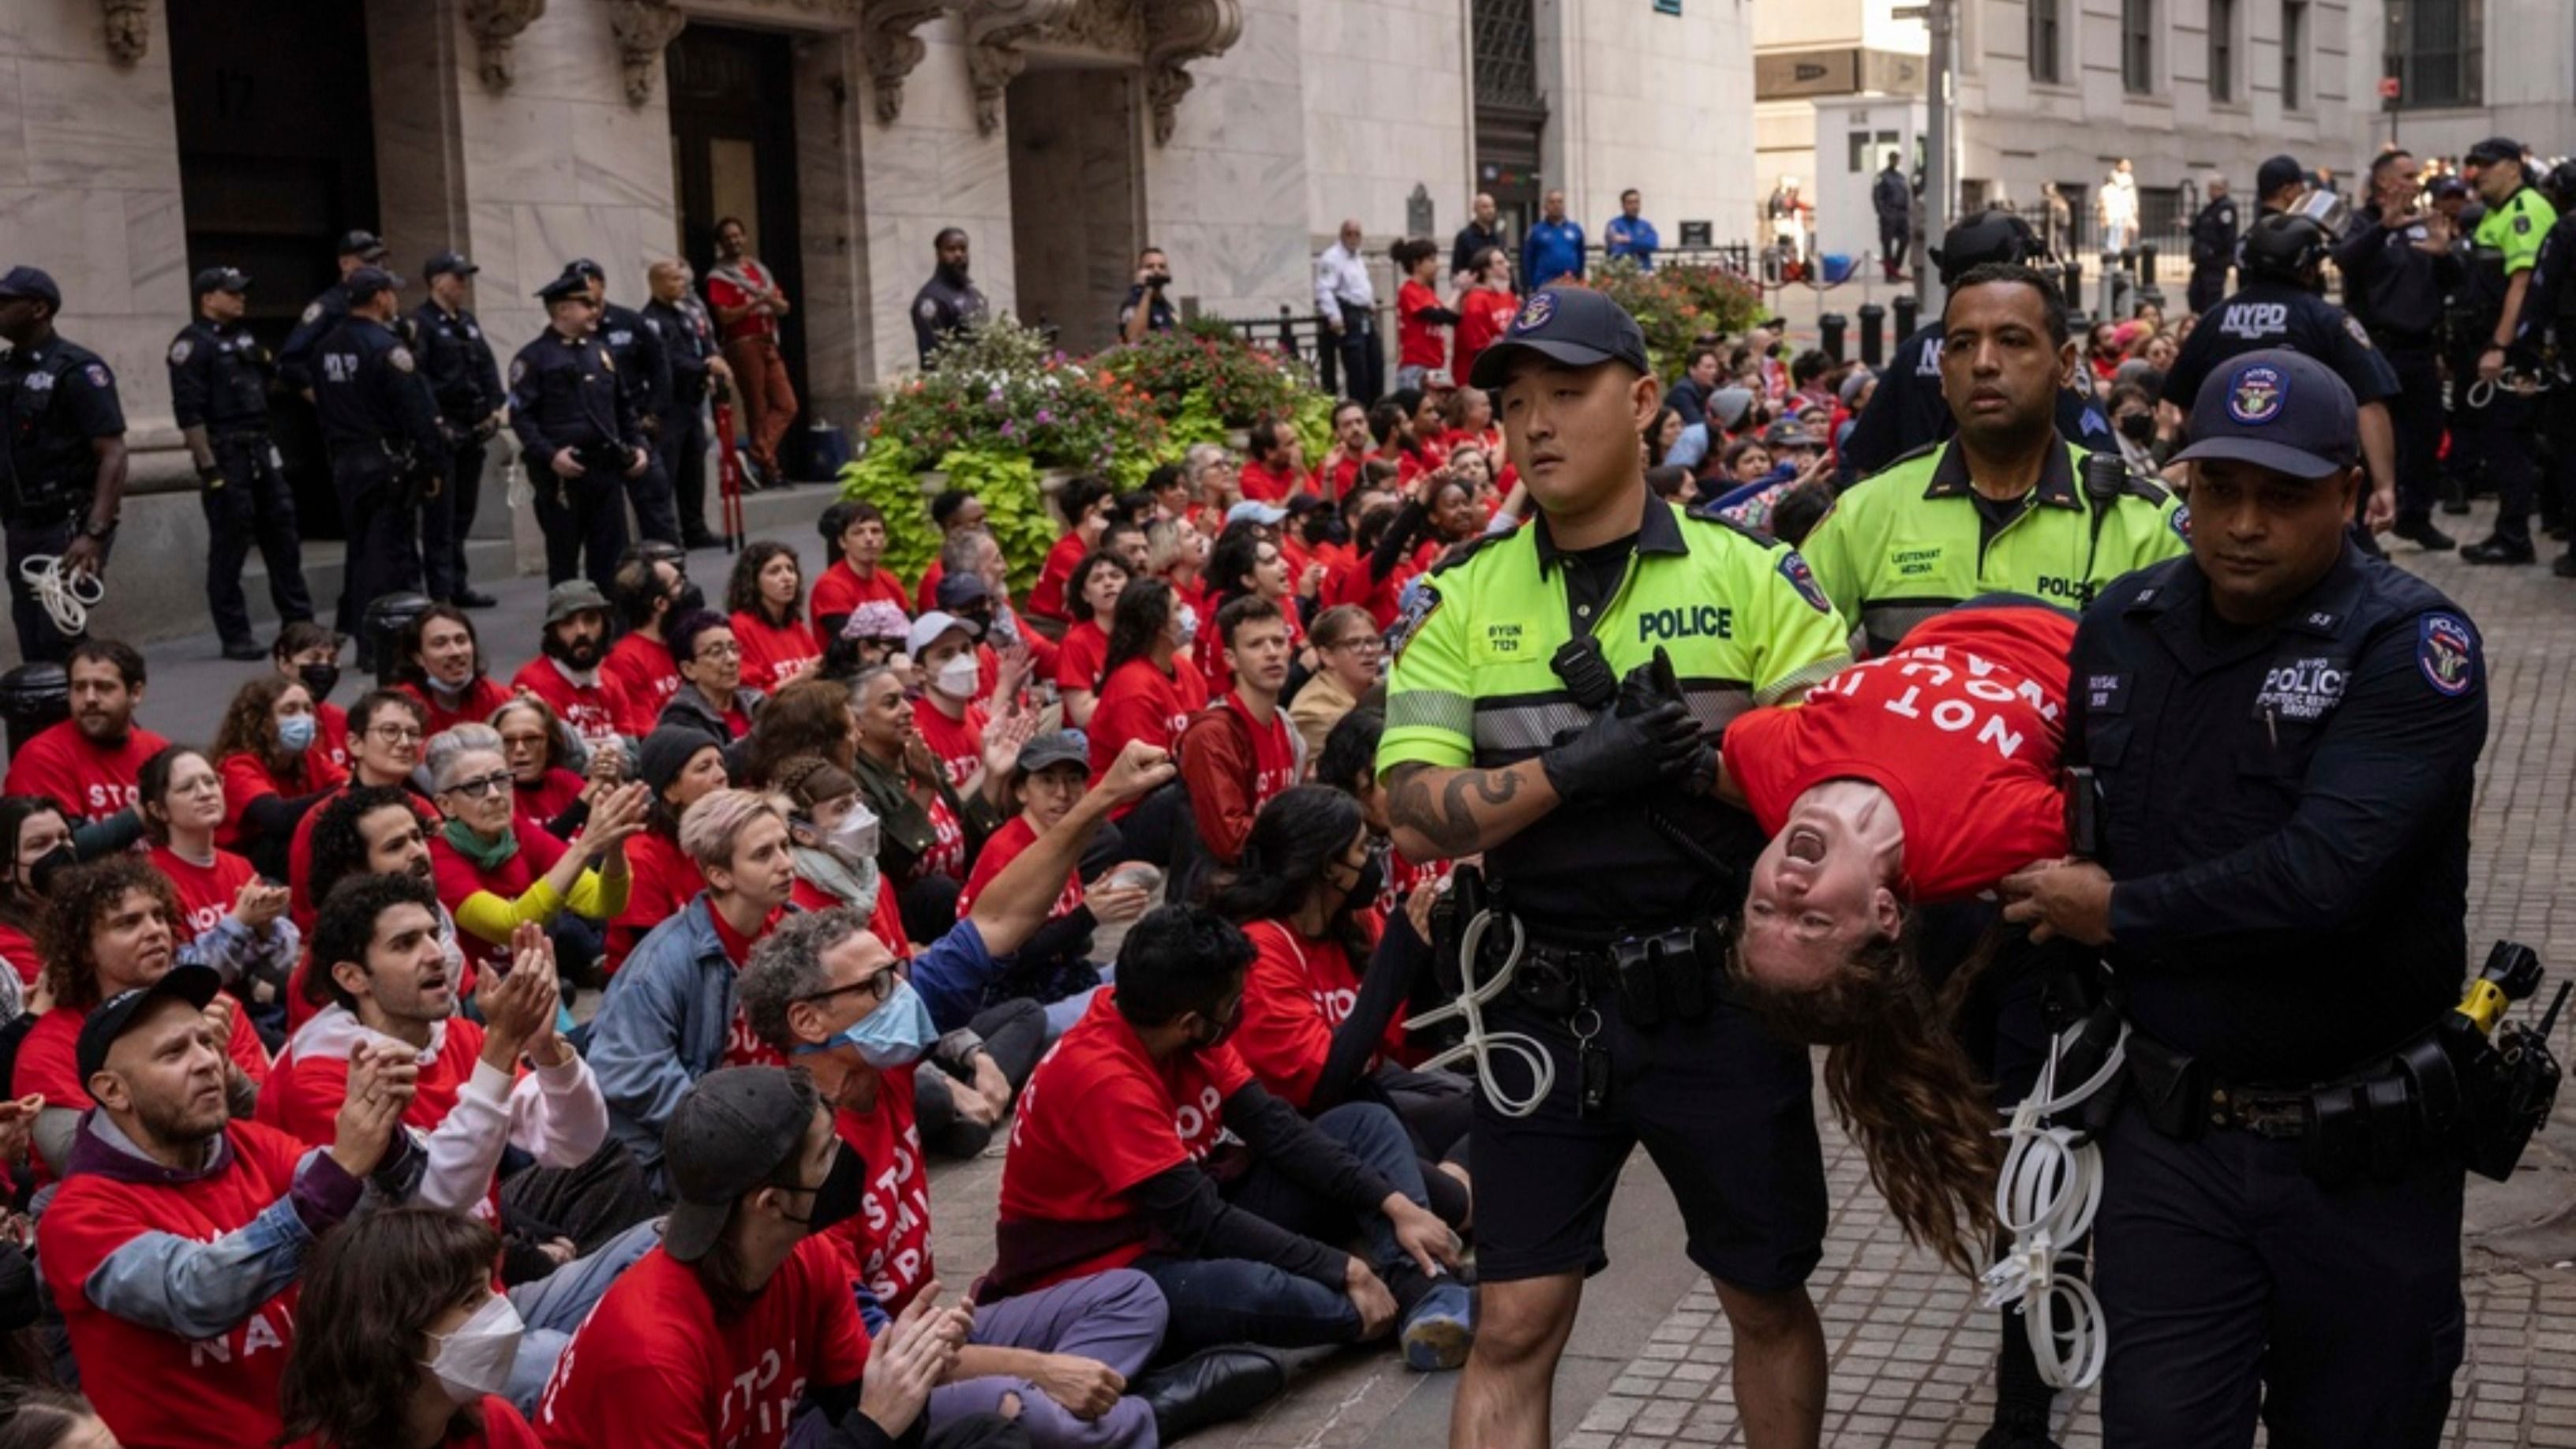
(2180, 522)
(2446, 648)
(179, 351)
(518, 370)
(312, 313)
(400, 357)
(97, 374)
(1803, 579)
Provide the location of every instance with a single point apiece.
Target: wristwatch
(101, 532)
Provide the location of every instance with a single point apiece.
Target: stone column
(933, 167)
(835, 127)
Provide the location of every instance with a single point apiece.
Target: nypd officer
(1908, 411)
(688, 337)
(2281, 270)
(577, 432)
(2008, 505)
(2548, 324)
(2213, 247)
(62, 463)
(1525, 721)
(2399, 263)
(644, 376)
(387, 452)
(2285, 734)
(219, 397)
(322, 314)
(457, 359)
(2492, 366)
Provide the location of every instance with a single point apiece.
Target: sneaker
(1440, 1329)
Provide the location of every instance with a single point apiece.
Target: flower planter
(1051, 481)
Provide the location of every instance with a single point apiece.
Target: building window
(2294, 52)
(2045, 42)
(2434, 48)
(1506, 61)
(2138, 46)
(2222, 51)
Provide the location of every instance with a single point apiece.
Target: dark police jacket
(2213, 234)
(2266, 313)
(219, 379)
(2286, 812)
(372, 400)
(457, 359)
(2395, 290)
(564, 393)
(688, 340)
(1908, 411)
(57, 399)
(643, 369)
(2549, 303)
(940, 308)
(321, 316)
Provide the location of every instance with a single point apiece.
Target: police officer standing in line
(2278, 184)
(457, 359)
(2492, 365)
(2213, 247)
(322, 314)
(578, 434)
(949, 300)
(1908, 411)
(2398, 264)
(1526, 721)
(219, 398)
(2547, 329)
(387, 452)
(644, 376)
(680, 323)
(64, 455)
(2008, 505)
(2281, 270)
(2285, 735)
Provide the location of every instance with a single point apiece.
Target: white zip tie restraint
(2050, 1189)
(1481, 1044)
(68, 595)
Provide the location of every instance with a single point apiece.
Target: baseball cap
(1253, 510)
(2278, 172)
(195, 985)
(738, 1129)
(362, 243)
(31, 282)
(876, 619)
(1059, 747)
(219, 279)
(368, 280)
(570, 284)
(1572, 325)
(2275, 409)
(927, 629)
(956, 591)
(2492, 150)
(573, 596)
(446, 263)
(1787, 434)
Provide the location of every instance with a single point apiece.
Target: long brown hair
(808, 717)
(370, 1291)
(249, 729)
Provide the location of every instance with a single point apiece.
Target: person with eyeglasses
(386, 727)
(1351, 657)
(498, 872)
(712, 700)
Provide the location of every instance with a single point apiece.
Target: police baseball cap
(32, 282)
(927, 629)
(571, 597)
(569, 286)
(195, 985)
(221, 279)
(738, 1130)
(584, 266)
(2275, 409)
(2449, 186)
(444, 264)
(367, 281)
(365, 244)
(2278, 172)
(1058, 747)
(1572, 325)
(2492, 150)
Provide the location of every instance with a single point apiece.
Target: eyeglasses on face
(482, 785)
(880, 983)
(719, 649)
(395, 734)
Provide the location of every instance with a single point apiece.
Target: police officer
(2281, 268)
(322, 314)
(644, 376)
(2285, 736)
(2548, 326)
(2008, 505)
(2213, 247)
(1524, 721)
(219, 397)
(1907, 410)
(64, 452)
(949, 300)
(387, 452)
(688, 337)
(2398, 264)
(2494, 368)
(2278, 184)
(457, 359)
(578, 434)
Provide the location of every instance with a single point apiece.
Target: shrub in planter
(1676, 305)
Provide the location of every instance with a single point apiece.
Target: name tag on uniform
(620, 338)
(2106, 693)
(1504, 640)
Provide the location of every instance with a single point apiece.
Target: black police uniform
(2265, 313)
(1159, 316)
(1908, 411)
(457, 360)
(2213, 250)
(381, 425)
(58, 398)
(644, 378)
(688, 339)
(2494, 433)
(219, 382)
(321, 317)
(2547, 331)
(2397, 292)
(564, 394)
(941, 307)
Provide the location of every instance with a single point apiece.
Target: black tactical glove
(1622, 752)
(1655, 683)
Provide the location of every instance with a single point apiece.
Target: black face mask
(843, 1193)
(1372, 878)
(1224, 1029)
(689, 599)
(318, 679)
(2138, 427)
(40, 875)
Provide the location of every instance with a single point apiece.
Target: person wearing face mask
(1149, 688)
(836, 835)
(2133, 417)
(766, 598)
(402, 1343)
(955, 729)
(976, 586)
(568, 673)
(309, 654)
(928, 832)
(34, 833)
(227, 917)
(384, 748)
(498, 872)
(713, 700)
(273, 770)
(440, 663)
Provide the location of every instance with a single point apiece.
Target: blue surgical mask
(897, 1034)
(295, 733)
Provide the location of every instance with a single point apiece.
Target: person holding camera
(1146, 310)
(579, 434)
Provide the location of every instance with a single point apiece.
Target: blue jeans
(1233, 1300)
(553, 1306)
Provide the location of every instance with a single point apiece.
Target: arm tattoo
(1449, 823)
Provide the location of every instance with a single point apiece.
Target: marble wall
(931, 169)
(1074, 138)
(1663, 103)
(1387, 110)
(1227, 195)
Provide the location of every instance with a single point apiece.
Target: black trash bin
(380, 632)
(33, 699)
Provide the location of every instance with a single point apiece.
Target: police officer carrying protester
(219, 397)
(2281, 271)
(2398, 263)
(381, 425)
(577, 431)
(457, 359)
(2213, 247)
(1528, 719)
(64, 455)
(1908, 410)
(688, 337)
(2008, 505)
(644, 378)
(2285, 734)
(2492, 366)
(322, 314)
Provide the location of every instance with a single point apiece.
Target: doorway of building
(1077, 198)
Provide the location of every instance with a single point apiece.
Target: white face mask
(474, 1362)
(958, 677)
(1189, 625)
(855, 838)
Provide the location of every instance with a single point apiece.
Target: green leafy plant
(1015, 509)
(1677, 305)
(1237, 381)
(997, 387)
(889, 476)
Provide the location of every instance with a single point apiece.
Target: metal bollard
(1832, 325)
(1873, 334)
(2071, 277)
(1908, 312)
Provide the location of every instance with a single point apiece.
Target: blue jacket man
(1553, 249)
(1630, 235)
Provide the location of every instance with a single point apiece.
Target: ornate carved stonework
(1178, 32)
(1163, 35)
(129, 28)
(644, 28)
(995, 31)
(891, 49)
(497, 23)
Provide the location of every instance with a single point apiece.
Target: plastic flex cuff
(2046, 1198)
(67, 596)
(1480, 1043)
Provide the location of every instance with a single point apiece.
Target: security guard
(2281, 269)
(949, 301)
(322, 315)
(2398, 264)
(381, 425)
(2548, 324)
(1526, 719)
(1907, 410)
(62, 461)
(688, 338)
(2500, 380)
(219, 397)
(644, 377)
(457, 359)
(2285, 734)
(2213, 247)
(578, 435)
(2007, 506)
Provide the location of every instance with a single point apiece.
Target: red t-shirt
(302, 1096)
(459, 878)
(247, 779)
(205, 892)
(595, 710)
(1483, 314)
(1100, 1116)
(743, 1046)
(644, 671)
(947, 853)
(1141, 702)
(724, 291)
(885, 922)
(299, 858)
(840, 591)
(889, 1241)
(331, 735)
(475, 706)
(653, 1367)
(771, 653)
(1000, 850)
(1961, 725)
(1078, 658)
(926, 593)
(662, 881)
(1297, 993)
(551, 796)
(1418, 343)
(1047, 599)
(49, 1057)
(156, 1390)
(959, 743)
(18, 950)
(502, 1429)
(1262, 483)
(1347, 582)
(92, 781)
